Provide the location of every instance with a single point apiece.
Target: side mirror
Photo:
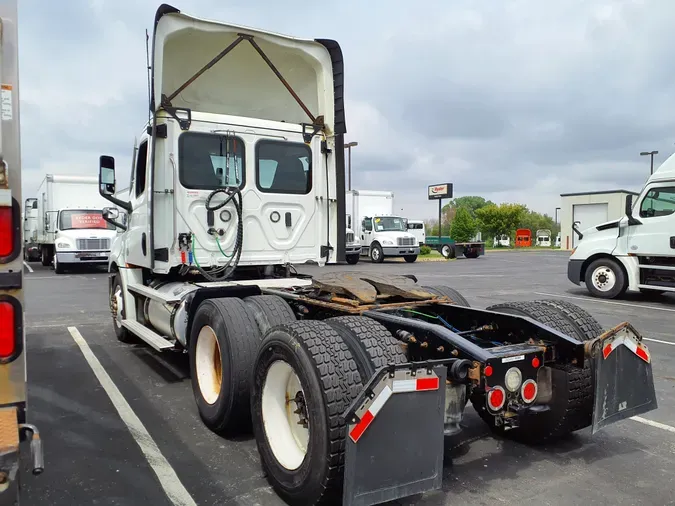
(629, 211)
(111, 214)
(106, 175)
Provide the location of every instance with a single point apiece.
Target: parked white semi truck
(71, 229)
(15, 432)
(635, 252)
(236, 182)
(383, 234)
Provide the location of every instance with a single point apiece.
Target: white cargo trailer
(70, 225)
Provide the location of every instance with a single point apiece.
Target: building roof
(603, 192)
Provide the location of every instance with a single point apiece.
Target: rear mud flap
(624, 384)
(394, 446)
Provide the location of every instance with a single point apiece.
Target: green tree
(463, 226)
(537, 221)
(470, 202)
(500, 219)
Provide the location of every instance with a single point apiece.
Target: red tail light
(496, 398)
(8, 339)
(6, 231)
(529, 391)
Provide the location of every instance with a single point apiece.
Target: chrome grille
(350, 237)
(405, 241)
(93, 244)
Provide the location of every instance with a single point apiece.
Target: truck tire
(223, 342)
(370, 343)
(118, 312)
(572, 404)
(446, 291)
(448, 251)
(45, 257)
(376, 253)
(269, 311)
(471, 253)
(410, 258)
(352, 259)
(58, 266)
(307, 362)
(605, 278)
(585, 324)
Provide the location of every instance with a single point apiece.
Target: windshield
(83, 219)
(208, 161)
(389, 224)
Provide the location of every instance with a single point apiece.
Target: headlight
(388, 243)
(63, 245)
(513, 379)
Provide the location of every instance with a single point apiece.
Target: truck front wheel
(605, 278)
(223, 342)
(376, 253)
(352, 259)
(118, 313)
(304, 379)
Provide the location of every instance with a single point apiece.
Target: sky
(513, 100)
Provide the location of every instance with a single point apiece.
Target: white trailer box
(71, 228)
(383, 234)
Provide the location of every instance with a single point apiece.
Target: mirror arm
(121, 203)
(115, 224)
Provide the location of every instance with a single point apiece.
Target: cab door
(655, 236)
(137, 246)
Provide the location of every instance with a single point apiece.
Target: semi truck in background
(70, 226)
(14, 413)
(543, 238)
(382, 233)
(635, 252)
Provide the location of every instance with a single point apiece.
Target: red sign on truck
(88, 220)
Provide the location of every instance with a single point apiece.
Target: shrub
(425, 250)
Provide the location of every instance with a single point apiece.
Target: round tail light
(496, 398)
(529, 391)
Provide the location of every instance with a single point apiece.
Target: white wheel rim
(446, 251)
(376, 254)
(286, 435)
(603, 278)
(119, 304)
(209, 364)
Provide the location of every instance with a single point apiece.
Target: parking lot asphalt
(93, 458)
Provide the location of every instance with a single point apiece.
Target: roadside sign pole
(440, 224)
(440, 192)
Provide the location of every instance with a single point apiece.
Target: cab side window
(658, 202)
(141, 165)
(367, 225)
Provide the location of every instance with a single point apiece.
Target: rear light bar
(10, 227)
(11, 329)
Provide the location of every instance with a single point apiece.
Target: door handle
(288, 219)
(672, 242)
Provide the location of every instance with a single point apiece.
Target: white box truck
(71, 229)
(383, 234)
(635, 252)
(31, 251)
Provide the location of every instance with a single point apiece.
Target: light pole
(650, 154)
(349, 147)
(556, 215)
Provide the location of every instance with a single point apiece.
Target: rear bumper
(83, 257)
(574, 271)
(395, 251)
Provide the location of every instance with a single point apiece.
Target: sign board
(89, 220)
(440, 191)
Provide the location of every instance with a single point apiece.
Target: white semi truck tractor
(635, 252)
(238, 179)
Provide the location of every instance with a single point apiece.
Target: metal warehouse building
(590, 209)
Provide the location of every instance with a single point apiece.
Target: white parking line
(30, 269)
(599, 301)
(172, 486)
(658, 425)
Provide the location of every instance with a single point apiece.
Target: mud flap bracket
(624, 383)
(394, 444)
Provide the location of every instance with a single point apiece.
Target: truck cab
(543, 238)
(635, 252)
(387, 236)
(30, 230)
(417, 228)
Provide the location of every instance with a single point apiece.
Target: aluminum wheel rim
(119, 306)
(209, 365)
(376, 254)
(603, 278)
(285, 415)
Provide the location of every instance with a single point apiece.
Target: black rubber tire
(352, 259)
(448, 251)
(269, 311)
(58, 267)
(122, 334)
(586, 325)
(446, 291)
(621, 281)
(330, 380)
(572, 405)
(45, 258)
(238, 338)
(371, 344)
(410, 258)
(471, 254)
(380, 257)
